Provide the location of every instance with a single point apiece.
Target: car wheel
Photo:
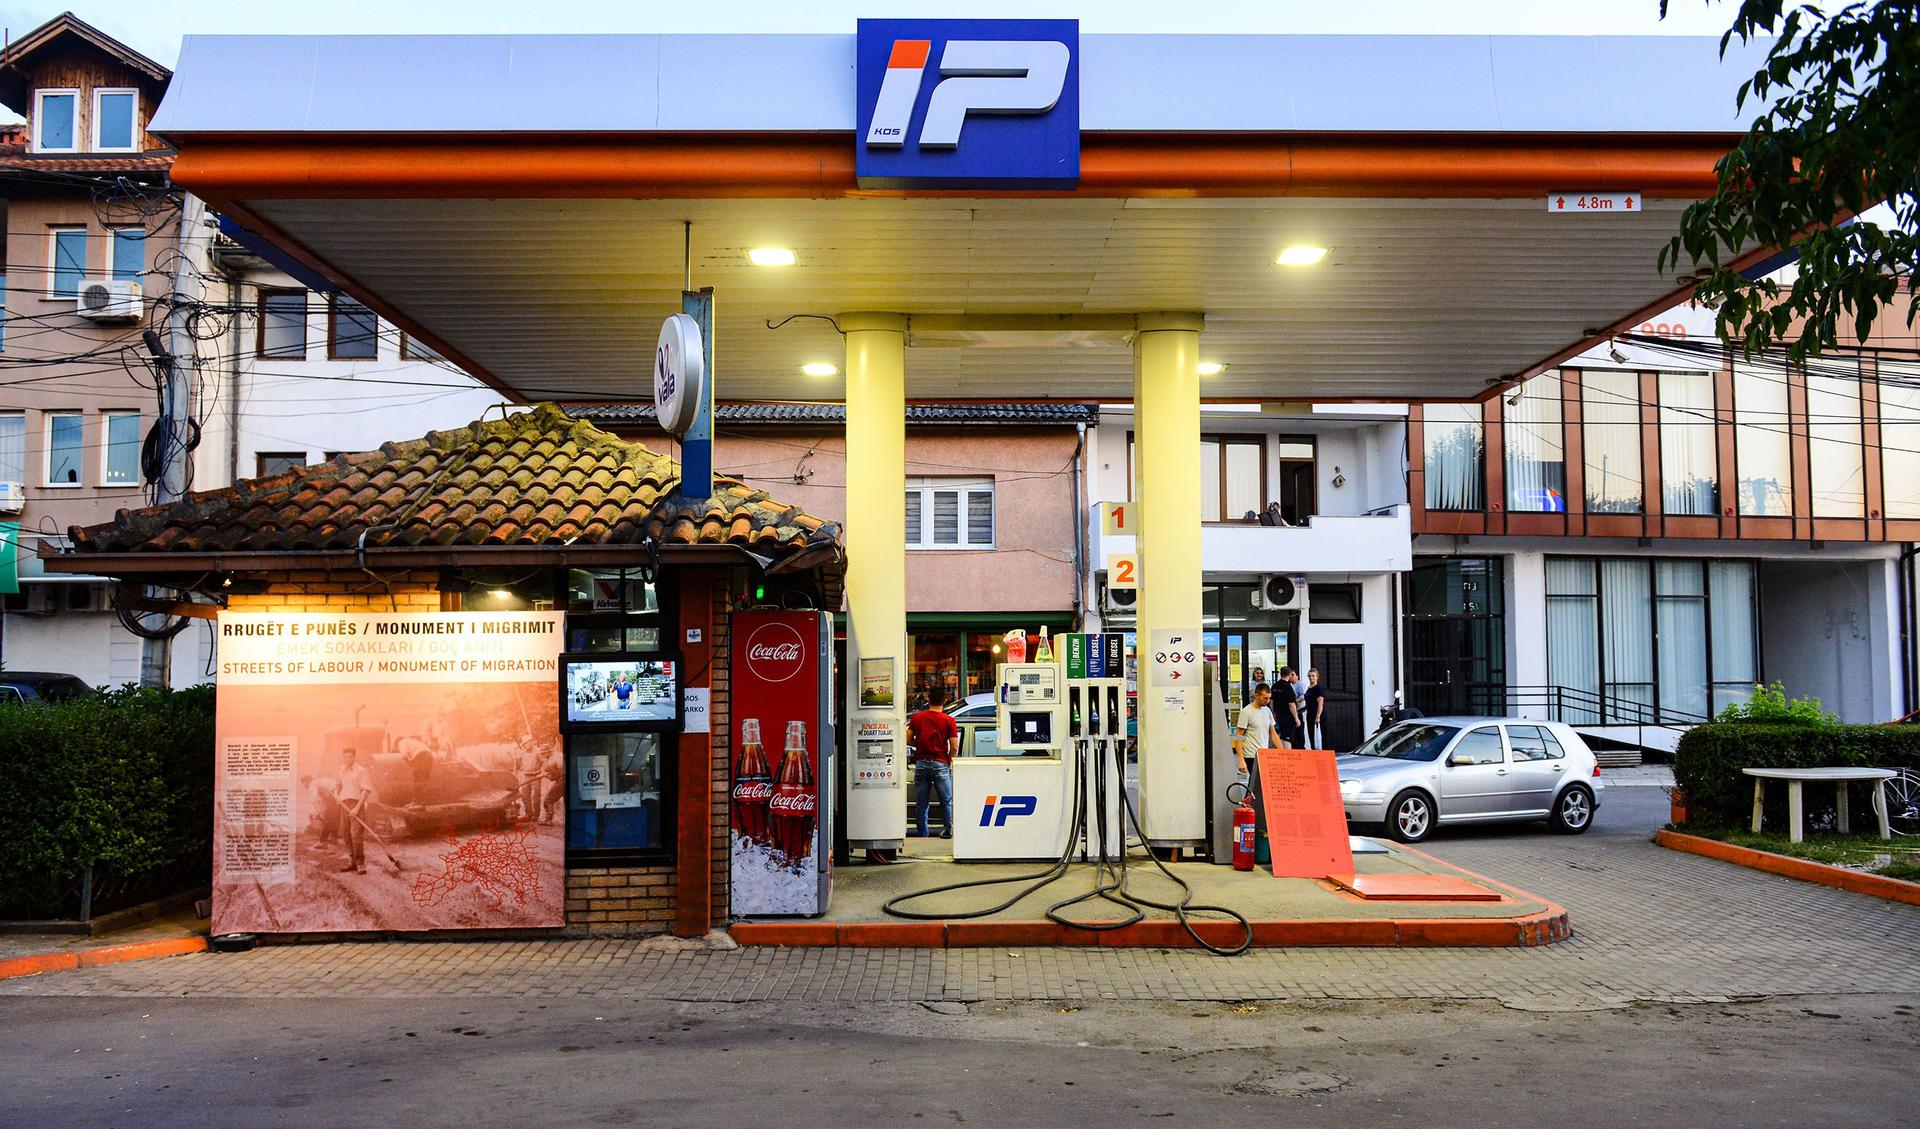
(1410, 816)
(1573, 811)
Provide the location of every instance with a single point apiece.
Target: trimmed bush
(121, 781)
(1708, 762)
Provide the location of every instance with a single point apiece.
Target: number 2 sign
(1123, 571)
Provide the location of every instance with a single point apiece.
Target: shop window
(67, 254)
(1298, 480)
(507, 590)
(1455, 440)
(273, 462)
(13, 446)
(283, 324)
(353, 331)
(129, 253)
(1762, 440)
(616, 792)
(1689, 479)
(56, 120)
(120, 460)
(1536, 461)
(1333, 603)
(113, 120)
(414, 349)
(64, 446)
(949, 513)
(1610, 419)
(612, 610)
(933, 671)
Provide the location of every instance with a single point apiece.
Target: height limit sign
(1175, 656)
(1587, 203)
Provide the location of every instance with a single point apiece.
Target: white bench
(1838, 777)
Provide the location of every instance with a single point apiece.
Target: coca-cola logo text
(776, 652)
(752, 791)
(786, 803)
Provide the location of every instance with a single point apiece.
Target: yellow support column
(876, 539)
(1172, 734)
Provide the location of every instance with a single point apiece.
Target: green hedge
(121, 781)
(1707, 764)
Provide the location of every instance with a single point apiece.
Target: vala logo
(976, 76)
(1007, 807)
(1012, 87)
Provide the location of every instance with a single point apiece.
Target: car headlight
(1349, 788)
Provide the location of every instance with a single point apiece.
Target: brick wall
(727, 587)
(345, 592)
(619, 901)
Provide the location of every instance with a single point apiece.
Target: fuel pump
(1019, 805)
(1097, 726)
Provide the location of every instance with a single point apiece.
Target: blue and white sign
(968, 104)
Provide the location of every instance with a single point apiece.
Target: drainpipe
(235, 299)
(1079, 532)
(1907, 661)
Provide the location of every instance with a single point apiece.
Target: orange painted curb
(894, 935)
(36, 963)
(1015, 934)
(142, 950)
(786, 933)
(1806, 870)
(1357, 933)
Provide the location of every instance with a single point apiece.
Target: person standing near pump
(1313, 704)
(1254, 730)
(935, 739)
(353, 788)
(1286, 711)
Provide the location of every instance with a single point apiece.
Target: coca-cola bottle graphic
(752, 785)
(792, 810)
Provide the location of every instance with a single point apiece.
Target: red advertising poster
(782, 742)
(1306, 822)
(388, 772)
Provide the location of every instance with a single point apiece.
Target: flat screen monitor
(620, 690)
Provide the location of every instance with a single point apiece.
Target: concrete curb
(36, 963)
(1806, 870)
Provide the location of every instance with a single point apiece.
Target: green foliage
(121, 781)
(1707, 765)
(1838, 133)
(1769, 703)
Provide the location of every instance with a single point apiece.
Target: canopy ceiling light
(1300, 255)
(1210, 368)
(820, 368)
(771, 256)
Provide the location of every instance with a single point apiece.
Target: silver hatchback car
(1421, 773)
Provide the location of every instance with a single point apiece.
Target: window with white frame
(64, 447)
(56, 121)
(115, 126)
(120, 455)
(66, 260)
(949, 513)
(13, 446)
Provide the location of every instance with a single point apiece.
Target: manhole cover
(1290, 1084)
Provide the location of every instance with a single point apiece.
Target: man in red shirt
(934, 738)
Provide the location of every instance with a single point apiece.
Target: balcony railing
(1380, 540)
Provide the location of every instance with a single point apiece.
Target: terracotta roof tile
(533, 478)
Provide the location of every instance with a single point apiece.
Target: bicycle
(1903, 802)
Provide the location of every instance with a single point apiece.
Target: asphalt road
(137, 1054)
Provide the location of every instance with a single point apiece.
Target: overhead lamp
(500, 594)
(771, 256)
(1210, 368)
(1300, 255)
(819, 368)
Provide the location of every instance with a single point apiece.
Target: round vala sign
(679, 373)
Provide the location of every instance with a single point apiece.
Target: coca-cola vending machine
(782, 717)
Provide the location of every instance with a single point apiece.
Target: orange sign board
(1306, 823)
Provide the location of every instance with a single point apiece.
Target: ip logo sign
(998, 809)
(968, 104)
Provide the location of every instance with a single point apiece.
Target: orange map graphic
(500, 865)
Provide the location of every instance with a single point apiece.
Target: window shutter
(980, 516)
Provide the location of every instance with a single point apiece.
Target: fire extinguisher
(1243, 827)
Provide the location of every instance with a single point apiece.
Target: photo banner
(388, 772)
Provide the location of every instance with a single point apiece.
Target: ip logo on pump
(968, 103)
(999, 809)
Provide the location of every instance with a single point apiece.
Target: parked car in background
(1419, 774)
(40, 686)
(973, 707)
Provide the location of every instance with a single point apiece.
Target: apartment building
(1304, 542)
(1638, 537)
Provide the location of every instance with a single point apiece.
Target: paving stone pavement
(1649, 924)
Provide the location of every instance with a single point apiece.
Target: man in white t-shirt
(1254, 729)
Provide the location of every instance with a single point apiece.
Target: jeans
(933, 778)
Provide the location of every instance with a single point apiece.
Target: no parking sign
(1174, 657)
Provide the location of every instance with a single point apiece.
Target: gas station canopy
(520, 202)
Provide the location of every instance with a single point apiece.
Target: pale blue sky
(155, 26)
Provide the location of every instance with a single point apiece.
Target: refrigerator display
(780, 814)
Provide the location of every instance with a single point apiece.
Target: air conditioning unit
(83, 597)
(41, 599)
(1281, 593)
(13, 497)
(113, 299)
(1117, 601)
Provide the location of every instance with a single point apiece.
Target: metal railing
(1574, 706)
